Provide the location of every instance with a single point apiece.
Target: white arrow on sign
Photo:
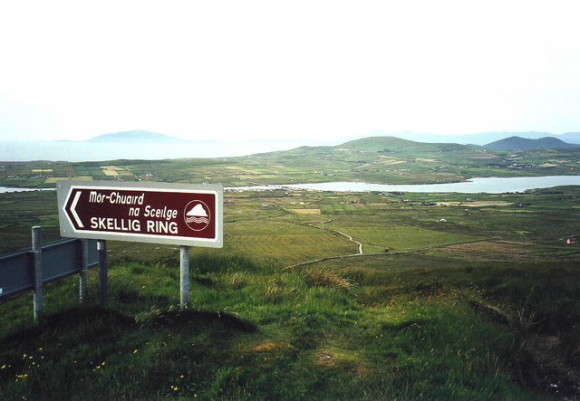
(74, 212)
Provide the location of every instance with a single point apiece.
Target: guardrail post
(103, 271)
(184, 285)
(84, 275)
(38, 298)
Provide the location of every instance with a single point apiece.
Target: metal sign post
(37, 255)
(84, 275)
(103, 271)
(184, 285)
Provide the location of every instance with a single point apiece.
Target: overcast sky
(252, 69)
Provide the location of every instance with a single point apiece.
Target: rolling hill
(387, 144)
(381, 147)
(516, 143)
(481, 138)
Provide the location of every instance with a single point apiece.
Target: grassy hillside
(380, 160)
(482, 306)
(516, 143)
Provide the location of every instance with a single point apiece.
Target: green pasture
(284, 242)
(345, 331)
(483, 306)
(19, 212)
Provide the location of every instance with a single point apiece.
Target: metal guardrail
(59, 260)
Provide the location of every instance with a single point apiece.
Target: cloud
(259, 69)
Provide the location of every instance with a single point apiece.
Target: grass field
(481, 306)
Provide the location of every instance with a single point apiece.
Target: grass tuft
(320, 277)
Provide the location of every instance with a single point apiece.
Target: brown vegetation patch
(325, 359)
(269, 346)
(485, 156)
(114, 171)
(491, 250)
(54, 180)
(487, 204)
(394, 162)
(320, 277)
(419, 159)
(548, 165)
(476, 204)
(306, 211)
(343, 361)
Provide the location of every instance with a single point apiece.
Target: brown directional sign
(179, 214)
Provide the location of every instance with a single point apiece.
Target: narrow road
(350, 238)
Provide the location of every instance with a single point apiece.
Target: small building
(571, 241)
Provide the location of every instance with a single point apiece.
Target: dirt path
(319, 226)
(348, 237)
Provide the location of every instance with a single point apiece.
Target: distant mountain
(516, 143)
(481, 138)
(392, 144)
(424, 137)
(571, 137)
(136, 136)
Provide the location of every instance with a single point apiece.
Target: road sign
(179, 214)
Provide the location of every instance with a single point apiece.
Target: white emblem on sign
(197, 216)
